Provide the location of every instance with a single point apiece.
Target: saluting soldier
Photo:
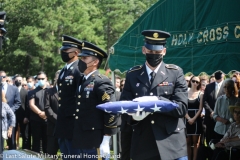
(67, 84)
(157, 135)
(93, 127)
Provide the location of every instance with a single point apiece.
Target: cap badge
(155, 35)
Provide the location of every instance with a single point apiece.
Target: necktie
(152, 74)
(64, 71)
(84, 79)
(217, 89)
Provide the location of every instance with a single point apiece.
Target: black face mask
(154, 59)
(82, 66)
(65, 56)
(17, 83)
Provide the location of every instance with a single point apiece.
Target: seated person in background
(230, 139)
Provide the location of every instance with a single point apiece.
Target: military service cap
(89, 49)
(155, 39)
(70, 42)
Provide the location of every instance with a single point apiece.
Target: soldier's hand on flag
(140, 115)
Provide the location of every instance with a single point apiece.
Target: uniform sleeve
(179, 96)
(106, 93)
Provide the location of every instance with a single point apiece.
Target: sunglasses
(41, 79)
(3, 76)
(187, 80)
(193, 81)
(236, 112)
(225, 86)
(24, 85)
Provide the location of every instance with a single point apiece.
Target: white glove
(104, 147)
(145, 98)
(138, 116)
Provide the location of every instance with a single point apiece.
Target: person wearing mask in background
(21, 112)
(51, 107)
(212, 92)
(212, 79)
(30, 83)
(37, 115)
(8, 119)
(13, 100)
(157, 136)
(92, 127)
(67, 85)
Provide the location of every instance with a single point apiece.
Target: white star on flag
(156, 108)
(123, 111)
(107, 111)
(139, 109)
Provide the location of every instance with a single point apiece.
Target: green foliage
(35, 28)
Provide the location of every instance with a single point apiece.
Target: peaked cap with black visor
(155, 39)
(89, 49)
(70, 42)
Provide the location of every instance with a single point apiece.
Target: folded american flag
(132, 106)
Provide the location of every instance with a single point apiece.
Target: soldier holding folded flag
(156, 135)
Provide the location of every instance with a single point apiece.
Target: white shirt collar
(89, 74)
(150, 71)
(219, 84)
(69, 65)
(19, 88)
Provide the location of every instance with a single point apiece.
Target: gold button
(151, 94)
(151, 113)
(152, 122)
(59, 105)
(59, 98)
(68, 84)
(76, 117)
(60, 84)
(73, 114)
(77, 110)
(79, 96)
(60, 91)
(78, 103)
(133, 130)
(92, 128)
(136, 94)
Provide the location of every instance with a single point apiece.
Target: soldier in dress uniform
(157, 135)
(67, 84)
(93, 127)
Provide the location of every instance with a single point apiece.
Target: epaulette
(135, 68)
(172, 66)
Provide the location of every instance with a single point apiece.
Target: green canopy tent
(205, 36)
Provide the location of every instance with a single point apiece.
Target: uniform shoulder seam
(135, 68)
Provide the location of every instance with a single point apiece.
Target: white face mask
(30, 85)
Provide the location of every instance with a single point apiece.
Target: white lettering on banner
(237, 31)
(204, 36)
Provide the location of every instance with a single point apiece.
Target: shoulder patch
(172, 66)
(135, 68)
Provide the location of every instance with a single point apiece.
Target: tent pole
(115, 135)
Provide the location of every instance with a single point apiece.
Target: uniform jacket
(158, 133)
(91, 124)
(13, 97)
(67, 101)
(51, 107)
